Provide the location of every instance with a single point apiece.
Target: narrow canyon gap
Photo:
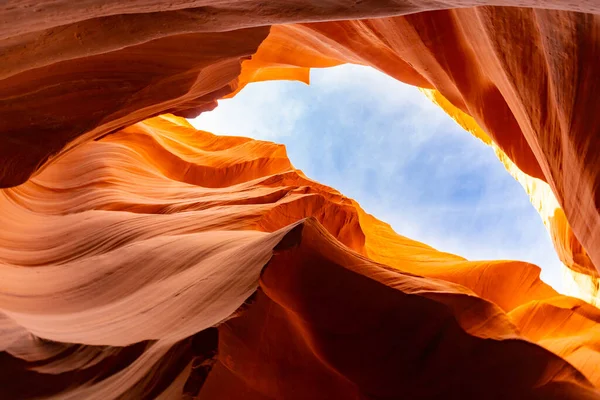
(388, 147)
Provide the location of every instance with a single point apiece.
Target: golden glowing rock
(580, 276)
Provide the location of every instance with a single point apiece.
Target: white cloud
(267, 113)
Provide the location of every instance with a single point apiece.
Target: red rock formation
(119, 278)
(123, 245)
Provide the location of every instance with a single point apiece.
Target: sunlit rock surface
(580, 277)
(125, 243)
(117, 254)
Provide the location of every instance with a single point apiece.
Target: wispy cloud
(269, 112)
(402, 158)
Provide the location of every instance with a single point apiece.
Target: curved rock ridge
(119, 258)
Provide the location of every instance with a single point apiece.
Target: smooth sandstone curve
(124, 306)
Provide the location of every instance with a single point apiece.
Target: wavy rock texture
(111, 288)
(125, 243)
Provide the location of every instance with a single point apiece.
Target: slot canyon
(142, 258)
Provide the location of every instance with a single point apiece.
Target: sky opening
(384, 144)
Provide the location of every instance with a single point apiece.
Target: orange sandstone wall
(119, 257)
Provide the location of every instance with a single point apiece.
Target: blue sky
(402, 158)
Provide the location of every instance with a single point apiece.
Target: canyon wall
(120, 257)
